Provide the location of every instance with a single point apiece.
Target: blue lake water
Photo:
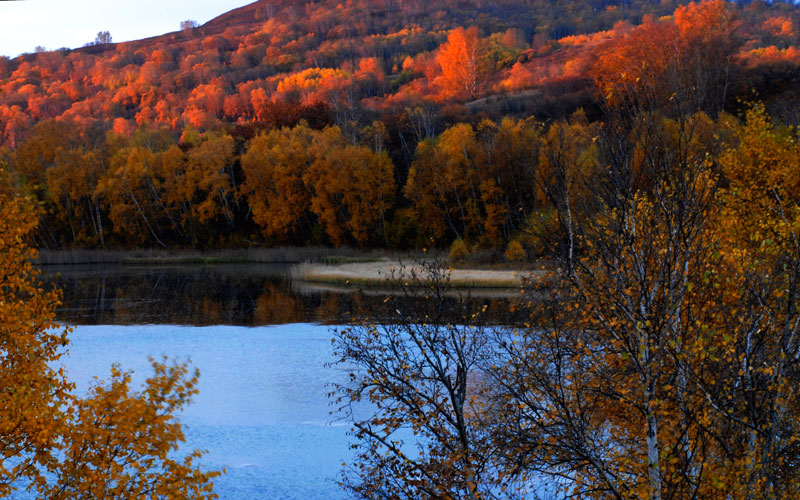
(262, 411)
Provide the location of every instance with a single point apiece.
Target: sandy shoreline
(379, 273)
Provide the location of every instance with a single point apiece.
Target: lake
(261, 342)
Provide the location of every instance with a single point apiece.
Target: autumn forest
(638, 160)
(369, 124)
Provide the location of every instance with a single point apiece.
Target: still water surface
(262, 411)
(261, 343)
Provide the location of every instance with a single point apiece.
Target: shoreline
(274, 255)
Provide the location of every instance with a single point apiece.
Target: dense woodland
(366, 123)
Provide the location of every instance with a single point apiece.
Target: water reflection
(221, 294)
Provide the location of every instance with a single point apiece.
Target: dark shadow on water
(228, 294)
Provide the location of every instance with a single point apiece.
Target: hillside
(388, 74)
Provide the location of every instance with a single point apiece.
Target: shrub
(515, 252)
(458, 250)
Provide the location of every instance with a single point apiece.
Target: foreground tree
(755, 391)
(121, 444)
(663, 361)
(33, 392)
(418, 372)
(112, 443)
(599, 392)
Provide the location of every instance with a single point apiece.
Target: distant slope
(249, 64)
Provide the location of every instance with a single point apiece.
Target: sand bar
(380, 273)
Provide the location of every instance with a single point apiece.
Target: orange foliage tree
(685, 63)
(709, 40)
(460, 59)
(634, 68)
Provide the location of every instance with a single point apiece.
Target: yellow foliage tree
(444, 186)
(112, 443)
(32, 392)
(475, 183)
(207, 180)
(761, 247)
(274, 167)
(119, 443)
(71, 181)
(662, 364)
(353, 188)
(295, 174)
(130, 192)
